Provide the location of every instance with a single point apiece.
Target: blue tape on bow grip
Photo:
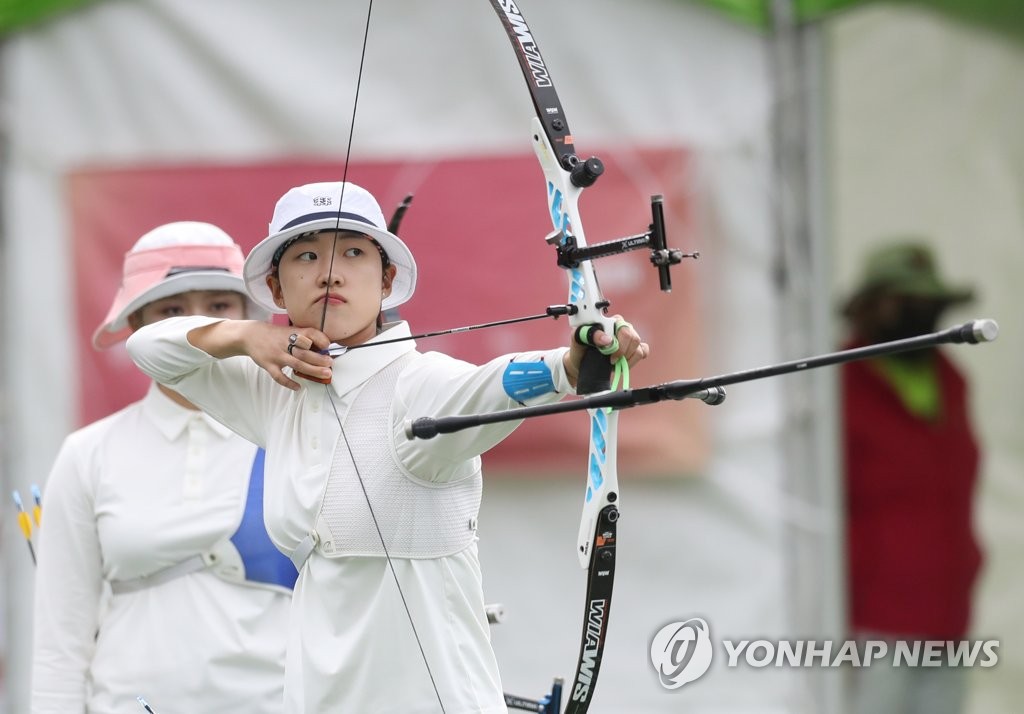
(595, 369)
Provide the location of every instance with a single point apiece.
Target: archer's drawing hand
(272, 347)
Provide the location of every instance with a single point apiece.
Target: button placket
(195, 459)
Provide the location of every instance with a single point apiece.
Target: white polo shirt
(351, 648)
(143, 489)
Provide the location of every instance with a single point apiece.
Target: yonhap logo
(681, 652)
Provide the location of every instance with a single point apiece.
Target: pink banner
(477, 229)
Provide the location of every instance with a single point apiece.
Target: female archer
(357, 503)
(156, 576)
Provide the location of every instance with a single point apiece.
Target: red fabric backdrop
(476, 227)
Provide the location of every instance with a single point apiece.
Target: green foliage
(757, 13)
(1004, 16)
(19, 14)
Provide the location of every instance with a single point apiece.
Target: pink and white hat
(323, 207)
(171, 259)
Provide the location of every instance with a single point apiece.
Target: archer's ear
(389, 277)
(274, 284)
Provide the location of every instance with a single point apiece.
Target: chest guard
(248, 557)
(417, 519)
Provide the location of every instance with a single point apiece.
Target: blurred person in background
(156, 576)
(911, 466)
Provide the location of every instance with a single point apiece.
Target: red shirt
(913, 557)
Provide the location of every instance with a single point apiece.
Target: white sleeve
(235, 391)
(437, 385)
(69, 584)
(162, 349)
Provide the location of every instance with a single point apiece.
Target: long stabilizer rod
(708, 389)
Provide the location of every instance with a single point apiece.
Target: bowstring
(328, 388)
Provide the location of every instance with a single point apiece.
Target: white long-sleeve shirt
(351, 648)
(143, 489)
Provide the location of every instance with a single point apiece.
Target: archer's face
(897, 317)
(211, 303)
(350, 288)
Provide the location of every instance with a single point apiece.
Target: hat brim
(949, 296)
(258, 263)
(115, 327)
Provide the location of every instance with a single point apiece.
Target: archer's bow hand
(626, 344)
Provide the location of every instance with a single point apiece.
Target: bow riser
(585, 294)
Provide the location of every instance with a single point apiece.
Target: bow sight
(570, 255)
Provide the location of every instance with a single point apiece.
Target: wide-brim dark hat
(905, 268)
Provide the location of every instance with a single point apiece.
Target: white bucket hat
(322, 207)
(171, 259)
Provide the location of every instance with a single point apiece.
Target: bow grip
(595, 369)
